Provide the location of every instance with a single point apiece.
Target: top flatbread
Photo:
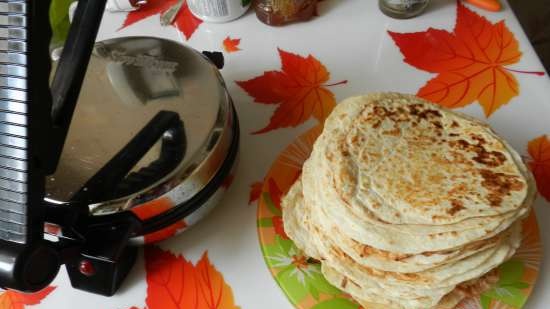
(423, 164)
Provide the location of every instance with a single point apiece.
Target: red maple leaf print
(175, 283)
(15, 300)
(299, 90)
(471, 62)
(539, 150)
(185, 21)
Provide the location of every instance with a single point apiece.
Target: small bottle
(281, 12)
(403, 9)
(218, 11)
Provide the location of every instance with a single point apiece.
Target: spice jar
(280, 12)
(403, 8)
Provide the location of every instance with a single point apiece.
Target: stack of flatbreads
(407, 204)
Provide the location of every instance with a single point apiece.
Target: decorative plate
(301, 280)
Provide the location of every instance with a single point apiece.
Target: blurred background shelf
(534, 16)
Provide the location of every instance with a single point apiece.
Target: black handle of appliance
(186, 208)
(173, 148)
(71, 70)
(113, 180)
(31, 139)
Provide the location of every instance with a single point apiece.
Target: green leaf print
(336, 303)
(245, 2)
(278, 253)
(314, 292)
(265, 222)
(510, 272)
(295, 283)
(59, 20)
(297, 276)
(485, 301)
(270, 205)
(509, 287)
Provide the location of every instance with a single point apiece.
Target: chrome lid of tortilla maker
(130, 80)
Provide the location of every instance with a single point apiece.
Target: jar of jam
(281, 12)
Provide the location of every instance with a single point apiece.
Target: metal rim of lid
(182, 210)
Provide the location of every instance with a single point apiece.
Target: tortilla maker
(118, 143)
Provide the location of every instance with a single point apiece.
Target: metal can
(403, 9)
(218, 11)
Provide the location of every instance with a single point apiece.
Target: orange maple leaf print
(539, 150)
(175, 283)
(231, 45)
(16, 300)
(214, 292)
(185, 21)
(299, 89)
(470, 62)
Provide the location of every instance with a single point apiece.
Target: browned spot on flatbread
(413, 114)
(458, 189)
(482, 156)
(499, 185)
(437, 218)
(422, 112)
(353, 283)
(344, 283)
(394, 132)
(366, 250)
(380, 273)
(438, 125)
(436, 178)
(456, 206)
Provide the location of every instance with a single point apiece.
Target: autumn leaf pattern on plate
(539, 150)
(272, 198)
(175, 283)
(255, 191)
(510, 285)
(299, 90)
(185, 21)
(15, 300)
(298, 275)
(231, 45)
(471, 62)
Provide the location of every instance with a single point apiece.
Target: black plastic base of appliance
(108, 254)
(104, 262)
